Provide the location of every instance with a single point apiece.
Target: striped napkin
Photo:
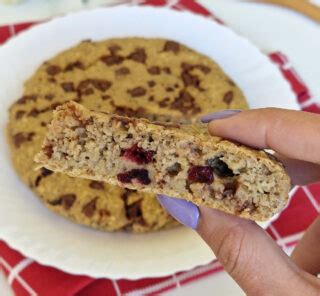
(28, 277)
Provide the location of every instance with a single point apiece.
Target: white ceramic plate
(30, 228)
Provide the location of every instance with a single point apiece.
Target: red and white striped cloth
(28, 277)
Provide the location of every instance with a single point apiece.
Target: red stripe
(10, 255)
(23, 26)
(297, 85)
(297, 216)
(4, 34)
(314, 108)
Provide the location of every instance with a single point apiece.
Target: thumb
(247, 253)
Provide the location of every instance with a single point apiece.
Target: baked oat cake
(136, 77)
(183, 161)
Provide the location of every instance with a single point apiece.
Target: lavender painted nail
(219, 115)
(184, 211)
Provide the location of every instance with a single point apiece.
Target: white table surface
(269, 27)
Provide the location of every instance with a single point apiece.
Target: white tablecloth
(270, 27)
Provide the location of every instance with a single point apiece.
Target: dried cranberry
(140, 175)
(200, 174)
(138, 155)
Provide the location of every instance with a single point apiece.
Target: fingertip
(184, 211)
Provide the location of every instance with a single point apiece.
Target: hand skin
(247, 253)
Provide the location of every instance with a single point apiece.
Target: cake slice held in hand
(182, 161)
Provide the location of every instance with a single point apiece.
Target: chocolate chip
(230, 190)
(83, 84)
(53, 70)
(74, 65)
(112, 60)
(174, 169)
(84, 88)
(137, 91)
(54, 106)
(151, 83)
(20, 138)
(204, 69)
(34, 112)
(151, 99)
(164, 103)
(37, 181)
(219, 167)
(96, 185)
(185, 103)
(104, 212)
(48, 150)
(68, 86)
(186, 66)
(126, 194)
(190, 80)
(105, 97)
(52, 80)
(23, 100)
(67, 200)
(171, 46)
(101, 84)
(126, 111)
(154, 70)
(49, 97)
(122, 71)
(169, 89)
(114, 48)
(139, 55)
(228, 97)
(89, 209)
(19, 114)
(45, 172)
(43, 124)
(139, 175)
(166, 70)
(133, 211)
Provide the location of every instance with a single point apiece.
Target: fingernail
(184, 211)
(219, 115)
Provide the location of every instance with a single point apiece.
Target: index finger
(295, 134)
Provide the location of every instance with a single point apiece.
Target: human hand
(247, 253)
